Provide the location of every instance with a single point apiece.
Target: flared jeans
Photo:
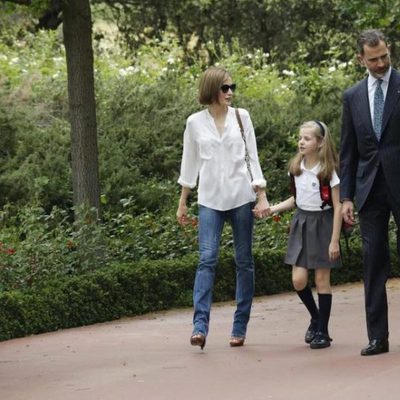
(211, 223)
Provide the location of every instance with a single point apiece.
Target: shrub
(36, 246)
(142, 106)
(137, 288)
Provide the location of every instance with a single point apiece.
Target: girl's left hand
(262, 208)
(334, 251)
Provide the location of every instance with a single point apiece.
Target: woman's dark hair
(210, 84)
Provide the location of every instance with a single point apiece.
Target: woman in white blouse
(228, 189)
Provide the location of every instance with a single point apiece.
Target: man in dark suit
(370, 173)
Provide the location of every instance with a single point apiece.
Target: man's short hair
(371, 38)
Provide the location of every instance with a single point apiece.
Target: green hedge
(128, 290)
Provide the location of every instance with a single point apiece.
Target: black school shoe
(311, 331)
(320, 341)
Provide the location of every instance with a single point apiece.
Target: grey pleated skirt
(309, 238)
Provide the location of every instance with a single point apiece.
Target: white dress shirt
(308, 196)
(219, 161)
(372, 82)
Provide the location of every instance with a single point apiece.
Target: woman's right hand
(181, 215)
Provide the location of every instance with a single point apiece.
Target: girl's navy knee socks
(325, 305)
(307, 298)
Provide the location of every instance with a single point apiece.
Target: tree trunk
(77, 29)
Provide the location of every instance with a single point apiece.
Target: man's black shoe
(376, 346)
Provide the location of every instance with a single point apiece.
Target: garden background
(291, 61)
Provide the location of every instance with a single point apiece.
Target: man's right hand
(348, 212)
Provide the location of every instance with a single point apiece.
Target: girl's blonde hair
(210, 84)
(327, 154)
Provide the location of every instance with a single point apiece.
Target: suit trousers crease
(374, 225)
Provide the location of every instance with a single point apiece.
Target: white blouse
(219, 161)
(308, 196)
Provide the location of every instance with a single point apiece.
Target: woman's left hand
(262, 208)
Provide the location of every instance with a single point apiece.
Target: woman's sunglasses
(225, 88)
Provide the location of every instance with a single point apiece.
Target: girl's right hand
(272, 211)
(334, 250)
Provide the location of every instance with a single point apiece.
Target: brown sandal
(198, 339)
(236, 341)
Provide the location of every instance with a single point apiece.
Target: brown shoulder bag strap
(246, 154)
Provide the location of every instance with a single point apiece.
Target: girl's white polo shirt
(307, 188)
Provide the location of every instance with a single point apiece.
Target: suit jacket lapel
(363, 104)
(392, 97)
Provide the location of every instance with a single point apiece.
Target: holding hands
(262, 207)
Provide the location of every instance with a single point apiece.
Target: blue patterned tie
(378, 108)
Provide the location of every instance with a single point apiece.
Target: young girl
(315, 228)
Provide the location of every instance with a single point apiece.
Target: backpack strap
(292, 187)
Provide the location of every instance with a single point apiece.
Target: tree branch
(22, 2)
(52, 18)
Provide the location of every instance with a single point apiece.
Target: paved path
(149, 358)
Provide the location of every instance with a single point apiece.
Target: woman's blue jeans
(211, 223)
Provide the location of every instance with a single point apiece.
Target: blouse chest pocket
(237, 149)
(206, 149)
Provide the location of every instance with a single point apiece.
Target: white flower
(288, 73)
(128, 70)
(122, 72)
(332, 69)
(170, 60)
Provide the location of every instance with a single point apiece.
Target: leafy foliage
(142, 110)
(289, 31)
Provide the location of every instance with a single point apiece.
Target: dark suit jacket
(361, 153)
